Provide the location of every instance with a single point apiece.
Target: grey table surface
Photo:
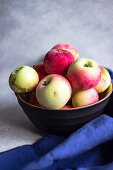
(30, 28)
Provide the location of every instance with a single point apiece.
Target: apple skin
(85, 97)
(53, 91)
(23, 79)
(73, 91)
(32, 98)
(57, 61)
(104, 81)
(40, 70)
(69, 48)
(84, 74)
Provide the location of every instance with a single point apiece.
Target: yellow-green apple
(109, 89)
(85, 97)
(23, 79)
(104, 81)
(53, 91)
(40, 70)
(84, 74)
(69, 48)
(57, 61)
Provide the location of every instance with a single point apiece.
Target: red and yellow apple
(85, 97)
(23, 79)
(84, 74)
(57, 61)
(69, 48)
(104, 81)
(53, 91)
(40, 70)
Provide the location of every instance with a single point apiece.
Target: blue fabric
(89, 148)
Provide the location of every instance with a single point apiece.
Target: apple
(104, 81)
(40, 70)
(69, 48)
(53, 91)
(73, 91)
(84, 74)
(57, 61)
(23, 79)
(109, 89)
(32, 98)
(85, 97)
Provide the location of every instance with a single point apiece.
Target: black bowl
(67, 119)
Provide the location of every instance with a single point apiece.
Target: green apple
(53, 91)
(104, 81)
(23, 79)
(109, 89)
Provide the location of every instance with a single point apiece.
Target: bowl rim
(77, 108)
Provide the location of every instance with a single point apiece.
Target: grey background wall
(28, 29)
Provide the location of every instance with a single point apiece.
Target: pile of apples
(62, 77)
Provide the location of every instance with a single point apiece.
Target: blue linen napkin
(88, 148)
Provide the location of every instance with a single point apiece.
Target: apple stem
(85, 65)
(58, 49)
(46, 82)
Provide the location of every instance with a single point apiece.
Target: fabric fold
(89, 136)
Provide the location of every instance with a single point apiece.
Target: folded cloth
(88, 148)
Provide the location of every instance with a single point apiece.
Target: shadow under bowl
(66, 120)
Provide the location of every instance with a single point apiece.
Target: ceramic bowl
(67, 119)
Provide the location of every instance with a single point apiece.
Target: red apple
(69, 48)
(84, 74)
(32, 98)
(85, 97)
(57, 61)
(40, 70)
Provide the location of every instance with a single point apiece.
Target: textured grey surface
(28, 29)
